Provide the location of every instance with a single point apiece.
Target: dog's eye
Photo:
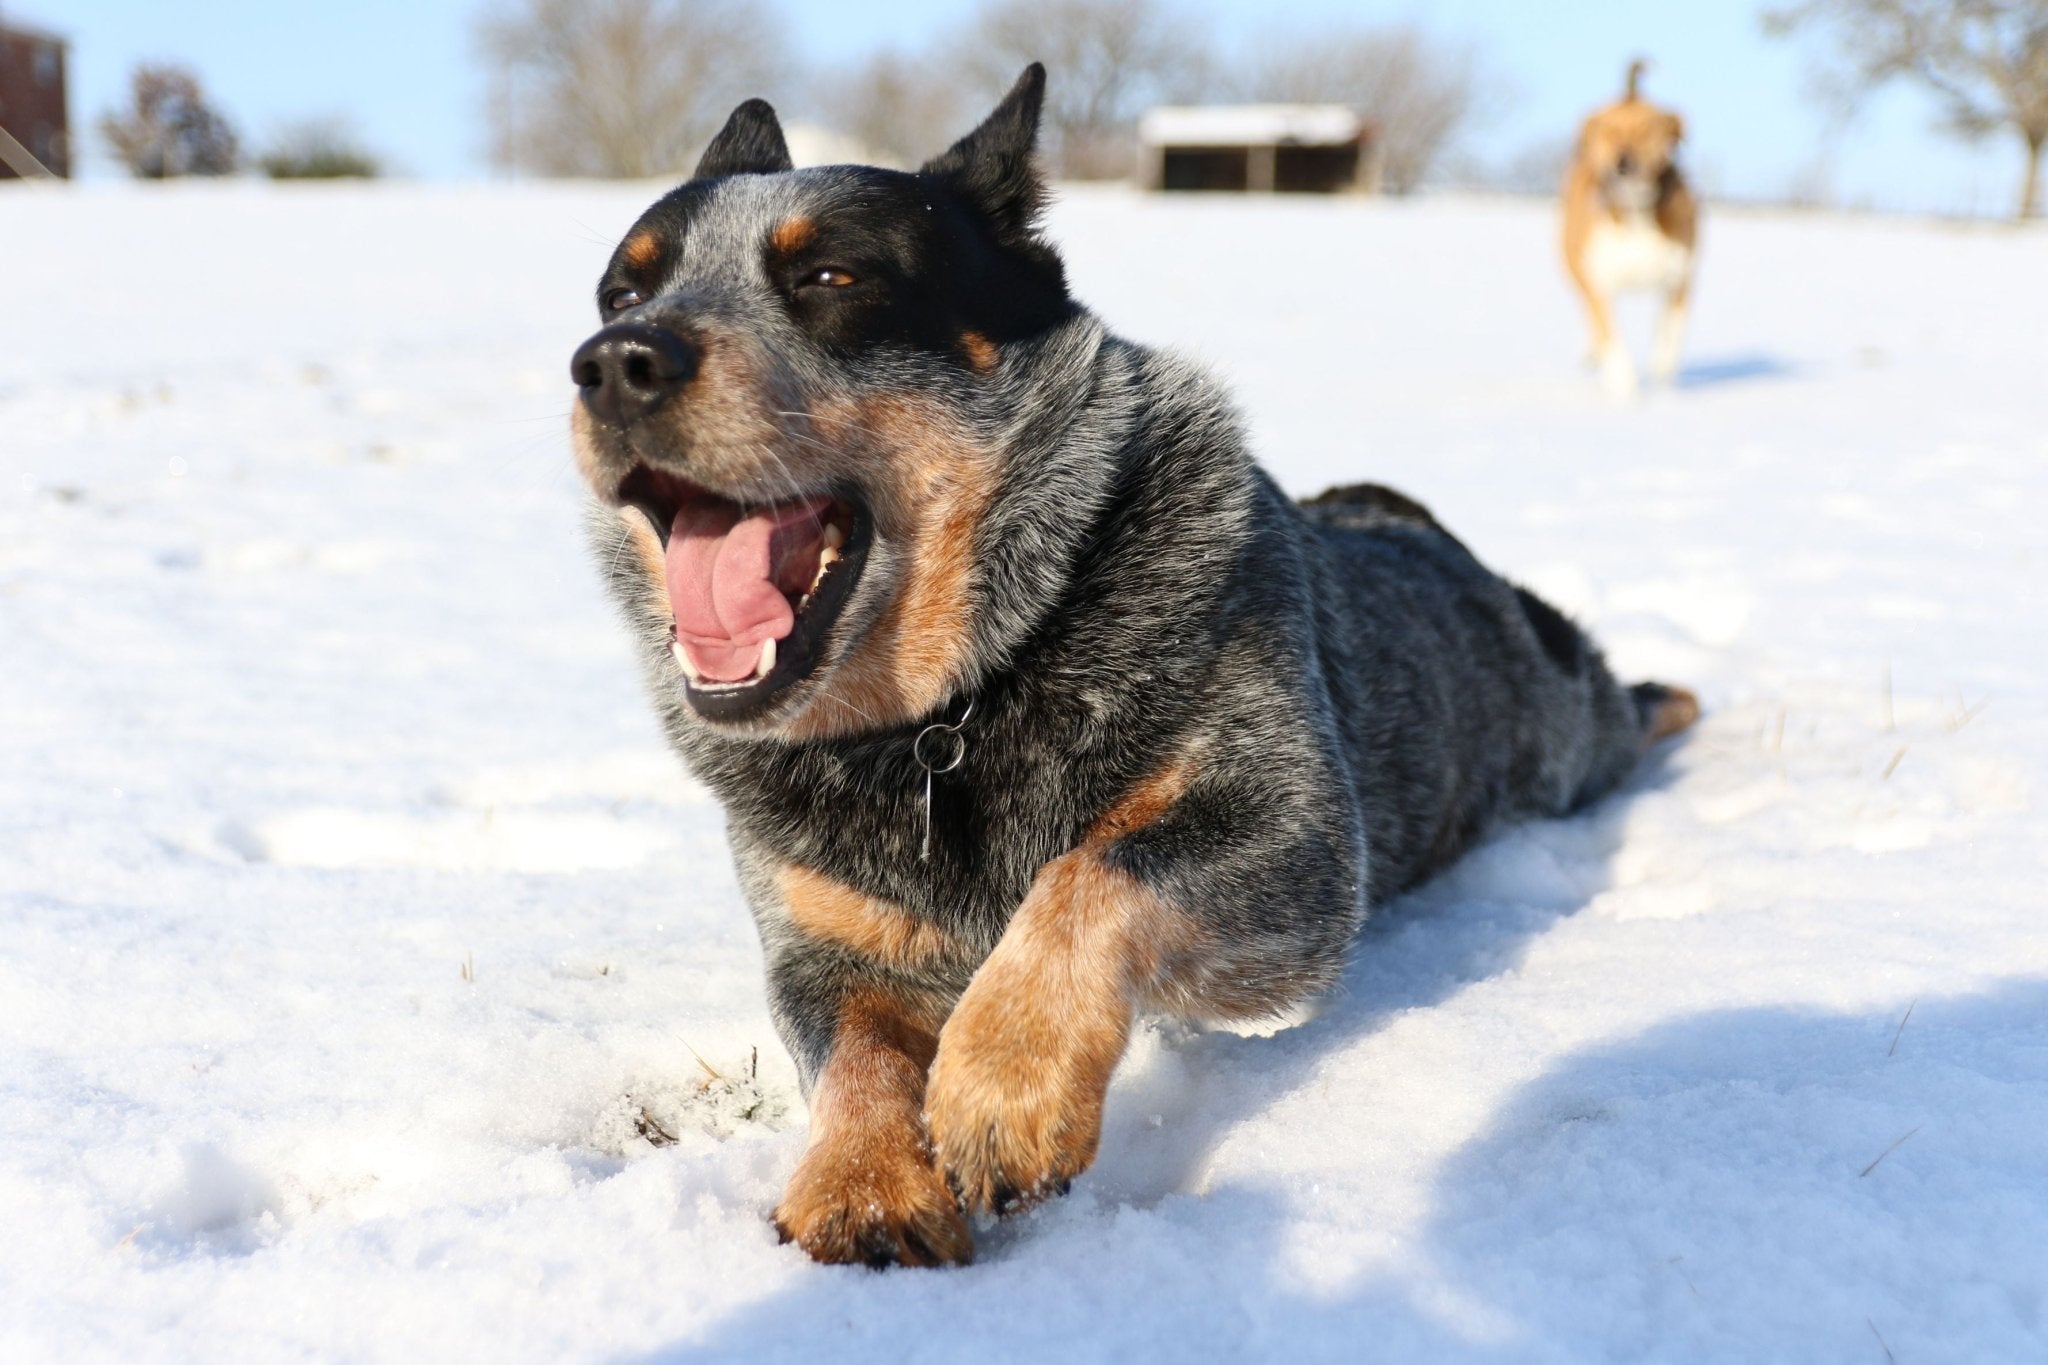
(828, 278)
(617, 299)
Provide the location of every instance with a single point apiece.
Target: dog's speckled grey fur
(1362, 697)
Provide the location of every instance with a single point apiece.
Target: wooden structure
(35, 126)
(1257, 148)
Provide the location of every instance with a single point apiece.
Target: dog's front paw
(874, 1205)
(1014, 1107)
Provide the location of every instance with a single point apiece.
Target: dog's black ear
(749, 144)
(993, 167)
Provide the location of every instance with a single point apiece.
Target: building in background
(1261, 148)
(35, 126)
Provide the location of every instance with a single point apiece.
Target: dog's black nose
(628, 370)
(1625, 164)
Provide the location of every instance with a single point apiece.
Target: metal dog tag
(938, 748)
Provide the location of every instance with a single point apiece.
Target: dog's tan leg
(866, 1190)
(1670, 333)
(1617, 371)
(1015, 1102)
(1015, 1105)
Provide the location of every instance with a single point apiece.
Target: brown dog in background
(1630, 222)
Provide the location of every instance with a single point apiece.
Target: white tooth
(767, 664)
(834, 537)
(825, 561)
(682, 658)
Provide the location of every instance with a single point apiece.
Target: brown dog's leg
(1617, 371)
(866, 1190)
(1670, 333)
(1598, 317)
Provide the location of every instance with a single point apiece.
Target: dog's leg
(1617, 371)
(1015, 1103)
(1670, 332)
(866, 1191)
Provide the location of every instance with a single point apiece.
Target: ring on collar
(935, 743)
(939, 748)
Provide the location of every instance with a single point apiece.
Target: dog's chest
(1634, 253)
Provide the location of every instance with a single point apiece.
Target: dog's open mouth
(754, 587)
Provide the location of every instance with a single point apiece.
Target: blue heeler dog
(1032, 701)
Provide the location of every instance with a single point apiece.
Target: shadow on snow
(1692, 1191)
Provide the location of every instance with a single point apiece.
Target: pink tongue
(723, 572)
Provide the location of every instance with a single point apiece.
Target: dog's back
(1506, 708)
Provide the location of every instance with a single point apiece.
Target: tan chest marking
(878, 929)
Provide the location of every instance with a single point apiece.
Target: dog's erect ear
(993, 166)
(749, 144)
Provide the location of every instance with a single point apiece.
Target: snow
(359, 934)
(1236, 125)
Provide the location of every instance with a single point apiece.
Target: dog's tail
(1663, 710)
(1636, 69)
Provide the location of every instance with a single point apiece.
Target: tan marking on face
(1015, 1102)
(866, 1190)
(936, 494)
(930, 489)
(642, 249)
(1647, 133)
(645, 547)
(792, 235)
(633, 559)
(589, 463)
(981, 353)
(874, 928)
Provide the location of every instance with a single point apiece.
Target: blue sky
(403, 71)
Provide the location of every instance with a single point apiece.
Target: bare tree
(169, 129)
(620, 88)
(319, 149)
(1108, 60)
(896, 108)
(1986, 61)
(1419, 93)
(1533, 168)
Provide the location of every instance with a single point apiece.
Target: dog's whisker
(624, 539)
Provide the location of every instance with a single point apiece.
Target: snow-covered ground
(356, 930)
